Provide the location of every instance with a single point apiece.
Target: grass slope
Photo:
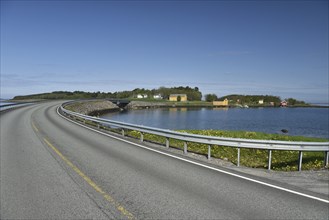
(281, 160)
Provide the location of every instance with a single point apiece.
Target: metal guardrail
(7, 107)
(211, 140)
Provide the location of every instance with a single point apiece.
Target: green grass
(281, 160)
(73, 106)
(193, 103)
(170, 103)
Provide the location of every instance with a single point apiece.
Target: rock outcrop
(141, 105)
(93, 108)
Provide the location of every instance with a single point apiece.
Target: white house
(142, 96)
(158, 96)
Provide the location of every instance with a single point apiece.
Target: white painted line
(199, 164)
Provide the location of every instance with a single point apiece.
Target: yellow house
(174, 97)
(220, 103)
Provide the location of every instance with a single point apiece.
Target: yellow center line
(90, 182)
(35, 127)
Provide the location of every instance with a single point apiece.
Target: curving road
(52, 168)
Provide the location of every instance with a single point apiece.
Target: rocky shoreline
(99, 107)
(93, 108)
(142, 105)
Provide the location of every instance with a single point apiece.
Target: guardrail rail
(269, 145)
(7, 107)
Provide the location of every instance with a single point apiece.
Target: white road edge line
(199, 164)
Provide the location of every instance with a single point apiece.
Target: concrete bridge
(121, 103)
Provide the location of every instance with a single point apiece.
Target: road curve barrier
(8, 107)
(238, 143)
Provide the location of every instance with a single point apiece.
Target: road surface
(52, 168)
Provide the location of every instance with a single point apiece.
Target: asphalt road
(52, 168)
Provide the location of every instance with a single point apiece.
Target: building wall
(157, 97)
(173, 98)
(220, 103)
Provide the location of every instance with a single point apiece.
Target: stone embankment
(93, 108)
(141, 105)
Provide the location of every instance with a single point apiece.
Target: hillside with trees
(251, 99)
(254, 100)
(193, 94)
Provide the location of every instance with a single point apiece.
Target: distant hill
(251, 99)
(256, 99)
(193, 94)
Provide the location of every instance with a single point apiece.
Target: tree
(211, 97)
(293, 101)
(193, 94)
(179, 98)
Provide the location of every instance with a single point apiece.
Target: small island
(172, 97)
(245, 101)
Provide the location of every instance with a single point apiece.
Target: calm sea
(311, 122)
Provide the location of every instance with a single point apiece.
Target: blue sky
(223, 47)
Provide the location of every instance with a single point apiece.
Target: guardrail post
(185, 147)
(326, 158)
(167, 142)
(300, 160)
(269, 159)
(123, 132)
(238, 162)
(209, 152)
(142, 136)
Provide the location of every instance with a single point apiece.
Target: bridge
(121, 103)
(55, 168)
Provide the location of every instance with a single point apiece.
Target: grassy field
(281, 160)
(178, 104)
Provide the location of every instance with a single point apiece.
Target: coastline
(201, 104)
(288, 161)
(98, 107)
